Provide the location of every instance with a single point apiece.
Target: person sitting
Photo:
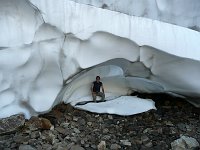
(96, 89)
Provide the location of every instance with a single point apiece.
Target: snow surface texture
(180, 12)
(51, 51)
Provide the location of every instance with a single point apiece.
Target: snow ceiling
(51, 51)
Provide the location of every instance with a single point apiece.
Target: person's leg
(94, 96)
(102, 95)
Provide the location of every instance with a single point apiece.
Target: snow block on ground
(124, 105)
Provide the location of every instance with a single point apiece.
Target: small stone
(168, 123)
(87, 145)
(125, 142)
(76, 147)
(13, 145)
(144, 138)
(147, 130)
(105, 131)
(61, 130)
(93, 146)
(139, 142)
(185, 143)
(110, 117)
(82, 142)
(149, 144)
(26, 147)
(100, 119)
(20, 138)
(102, 145)
(115, 147)
(32, 142)
(89, 123)
(77, 130)
(173, 130)
(75, 118)
(48, 136)
(64, 124)
(181, 126)
(73, 139)
(82, 122)
(188, 128)
(46, 146)
(67, 138)
(106, 137)
(35, 135)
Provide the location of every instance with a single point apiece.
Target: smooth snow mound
(124, 105)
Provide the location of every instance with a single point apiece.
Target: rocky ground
(67, 128)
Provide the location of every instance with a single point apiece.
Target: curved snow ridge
(124, 105)
(83, 21)
(157, 71)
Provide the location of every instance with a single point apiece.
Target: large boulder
(11, 124)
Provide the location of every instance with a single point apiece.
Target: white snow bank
(124, 105)
(84, 21)
(181, 12)
(19, 21)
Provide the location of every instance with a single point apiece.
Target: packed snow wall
(51, 52)
(180, 12)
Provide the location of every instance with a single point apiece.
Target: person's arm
(92, 87)
(102, 88)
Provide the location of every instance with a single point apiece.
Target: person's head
(98, 78)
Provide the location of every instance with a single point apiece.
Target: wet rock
(33, 142)
(126, 142)
(5, 137)
(148, 144)
(144, 138)
(49, 137)
(101, 145)
(11, 124)
(169, 123)
(93, 146)
(36, 123)
(21, 138)
(76, 147)
(89, 123)
(181, 126)
(61, 130)
(147, 130)
(65, 124)
(189, 128)
(47, 146)
(115, 147)
(105, 130)
(106, 137)
(110, 117)
(35, 134)
(77, 130)
(26, 147)
(185, 143)
(82, 122)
